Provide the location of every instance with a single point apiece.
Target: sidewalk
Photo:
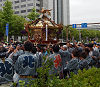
(6, 85)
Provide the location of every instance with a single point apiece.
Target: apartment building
(23, 7)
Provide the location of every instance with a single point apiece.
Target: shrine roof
(42, 21)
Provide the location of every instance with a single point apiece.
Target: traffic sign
(74, 26)
(84, 25)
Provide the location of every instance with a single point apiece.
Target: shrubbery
(85, 78)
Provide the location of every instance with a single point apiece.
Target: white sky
(84, 11)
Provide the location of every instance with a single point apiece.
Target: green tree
(7, 11)
(17, 24)
(92, 34)
(33, 14)
(73, 33)
(1, 26)
(7, 15)
(64, 33)
(98, 34)
(84, 34)
(1, 21)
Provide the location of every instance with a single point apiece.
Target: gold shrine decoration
(43, 29)
(45, 11)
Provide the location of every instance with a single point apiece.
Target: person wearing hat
(65, 55)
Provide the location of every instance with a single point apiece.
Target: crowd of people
(19, 61)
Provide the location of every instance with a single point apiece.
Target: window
(16, 12)
(31, 4)
(37, 10)
(23, 0)
(22, 6)
(29, 10)
(37, 4)
(16, 2)
(23, 11)
(16, 7)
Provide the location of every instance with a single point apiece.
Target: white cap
(65, 46)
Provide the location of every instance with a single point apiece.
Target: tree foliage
(98, 34)
(85, 34)
(7, 11)
(91, 34)
(33, 15)
(64, 33)
(1, 22)
(73, 33)
(16, 23)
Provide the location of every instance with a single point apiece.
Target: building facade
(23, 7)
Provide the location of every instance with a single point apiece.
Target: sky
(84, 11)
